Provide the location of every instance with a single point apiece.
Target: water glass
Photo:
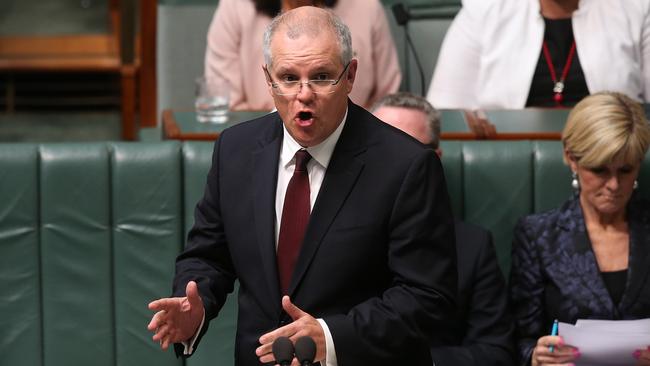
(212, 99)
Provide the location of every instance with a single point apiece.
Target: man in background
(481, 333)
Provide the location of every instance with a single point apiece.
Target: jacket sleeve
(387, 72)
(645, 53)
(454, 80)
(206, 257)
(222, 51)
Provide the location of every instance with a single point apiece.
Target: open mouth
(305, 116)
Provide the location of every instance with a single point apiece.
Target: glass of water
(212, 99)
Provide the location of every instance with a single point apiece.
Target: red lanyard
(558, 85)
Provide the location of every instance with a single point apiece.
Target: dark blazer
(378, 262)
(555, 274)
(482, 330)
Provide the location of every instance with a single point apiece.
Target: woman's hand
(562, 354)
(642, 356)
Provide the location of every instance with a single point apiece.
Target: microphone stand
(402, 17)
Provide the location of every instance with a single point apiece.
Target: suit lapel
(639, 261)
(265, 173)
(342, 173)
(582, 259)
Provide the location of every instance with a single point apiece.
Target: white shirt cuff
(330, 352)
(189, 346)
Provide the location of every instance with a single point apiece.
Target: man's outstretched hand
(303, 325)
(177, 319)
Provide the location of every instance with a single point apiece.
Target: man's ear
(268, 81)
(351, 73)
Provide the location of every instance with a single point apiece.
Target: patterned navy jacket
(555, 274)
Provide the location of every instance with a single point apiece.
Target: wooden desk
(526, 124)
(520, 124)
(184, 126)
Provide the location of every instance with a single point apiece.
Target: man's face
(409, 120)
(309, 117)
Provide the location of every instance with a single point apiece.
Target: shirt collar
(321, 153)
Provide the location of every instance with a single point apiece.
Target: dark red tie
(295, 216)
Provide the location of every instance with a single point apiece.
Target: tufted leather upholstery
(89, 233)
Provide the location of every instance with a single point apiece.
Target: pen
(553, 333)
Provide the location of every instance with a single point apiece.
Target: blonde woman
(590, 257)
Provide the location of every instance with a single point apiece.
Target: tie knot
(302, 158)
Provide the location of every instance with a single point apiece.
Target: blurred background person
(236, 30)
(481, 333)
(589, 258)
(508, 54)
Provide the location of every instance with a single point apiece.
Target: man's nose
(305, 93)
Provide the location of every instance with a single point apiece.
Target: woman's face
(607, 189)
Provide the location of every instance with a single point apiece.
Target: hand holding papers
(607, 342)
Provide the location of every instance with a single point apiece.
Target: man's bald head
(309, 21)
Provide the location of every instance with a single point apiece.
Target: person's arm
(526, 290)
(488, 339)
(454, 81)
(387, 73)
(223, 51)
(206, 258)
(645, 53)
(421, 255)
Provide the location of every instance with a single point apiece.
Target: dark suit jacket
(378, 262)
(482, 330)
(555, 274)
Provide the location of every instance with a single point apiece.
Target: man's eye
(288, 78)
(322, 77)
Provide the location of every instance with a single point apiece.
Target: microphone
(283, 351)
(305, 351)
(402, 17)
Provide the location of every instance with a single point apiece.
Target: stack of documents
(607, 342)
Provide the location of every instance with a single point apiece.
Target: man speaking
(337, 226)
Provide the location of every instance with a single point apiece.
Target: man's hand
(303, 325)
(177, 319)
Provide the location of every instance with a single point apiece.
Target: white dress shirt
(316, 168)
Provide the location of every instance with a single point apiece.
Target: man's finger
(157, 320)
(291, 309)
(268, 338)
(192, 293)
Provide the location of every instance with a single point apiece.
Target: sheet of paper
(607, 343)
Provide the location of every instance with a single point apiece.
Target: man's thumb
(192, 293)
(291, 309)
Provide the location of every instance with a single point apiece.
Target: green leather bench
(89, 232)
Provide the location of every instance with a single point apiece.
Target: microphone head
(305, 350)
(400, 13)
(283, 350)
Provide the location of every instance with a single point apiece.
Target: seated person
(588, 258)
(509, 54)
(237, 28)
(482, 331)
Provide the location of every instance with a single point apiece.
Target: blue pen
(553, 333)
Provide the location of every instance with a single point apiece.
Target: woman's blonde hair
(605, 126)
